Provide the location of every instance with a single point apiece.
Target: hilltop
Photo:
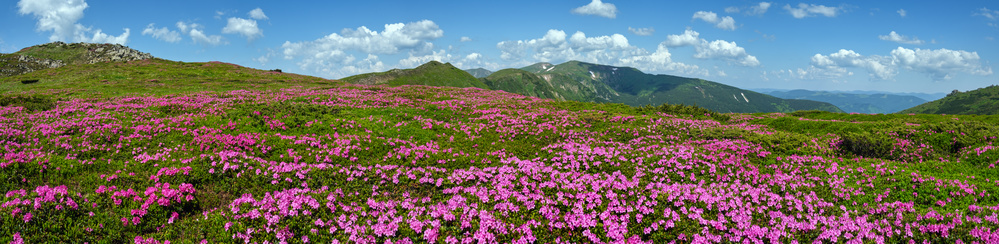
(432, 73)
(982, 101)
(876, 103)
(58, 54)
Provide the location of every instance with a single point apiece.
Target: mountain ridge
(981, 101)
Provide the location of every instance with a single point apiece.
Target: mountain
(982, 101)
(479, 72)
(432, 73)
(855, 103)
(586, 82)
(58, 54)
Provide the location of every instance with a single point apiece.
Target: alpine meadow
(210, 130)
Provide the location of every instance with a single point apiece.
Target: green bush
(29, 102)
(681, 109)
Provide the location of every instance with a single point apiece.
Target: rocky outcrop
(58, 54)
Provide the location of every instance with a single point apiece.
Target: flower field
(413, 164)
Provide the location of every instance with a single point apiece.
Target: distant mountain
(982, 101)
(855, 103)
(579, 81)
(432, 73)
(924, 96)
(479, 72)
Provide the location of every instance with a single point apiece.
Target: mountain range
(586, 82)
(876, 103)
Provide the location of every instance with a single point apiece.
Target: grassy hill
(217, 153)
(432, 73)
(979, 101)
(855, 103)
(579, 81)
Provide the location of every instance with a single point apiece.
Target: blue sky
(896, 46)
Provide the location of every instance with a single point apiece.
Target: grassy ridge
(432, 73)
(151, 76)
(979, 101)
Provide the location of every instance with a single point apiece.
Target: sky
(893, 46)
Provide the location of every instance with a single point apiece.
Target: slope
(981, 101)
(432, 73)
(855, 103)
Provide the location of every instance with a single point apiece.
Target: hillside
(479, 72)
(158, 151)
(980, 101)
(579, 81)
(432, 73)
(855, 103)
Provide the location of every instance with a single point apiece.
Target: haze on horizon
(893, 46)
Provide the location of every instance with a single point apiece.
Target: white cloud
(598, 8)
(809, 10)
(717, 49)
(988, 13)
(257, 14)
(465, 39)
(395, 37)
(60, 18)
(732, 9)
(901, 12)
(162, 34)
(724, 23)
(895, 37)
(939, 64)
(245, 27)
(332, 55)
(720, 49)
(194, 30)
(642, 31)
(688, 38)
(760, 8)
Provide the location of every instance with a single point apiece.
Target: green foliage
(29, 102)
(680, 109)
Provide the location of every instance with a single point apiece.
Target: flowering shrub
(371, 164)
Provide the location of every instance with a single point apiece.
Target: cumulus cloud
(642, 31)
(556, 46)
(939, 64)
(895, 37)
(257, 14)
(810, 10)
(901, 12)
(60, 17)
(332, 54)
(162, 34)
(465, 39)
(244, 27)
(688, 38)
(598, 8)
(759, 9)
(717, 49)
(195, 31)
(724, 23)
